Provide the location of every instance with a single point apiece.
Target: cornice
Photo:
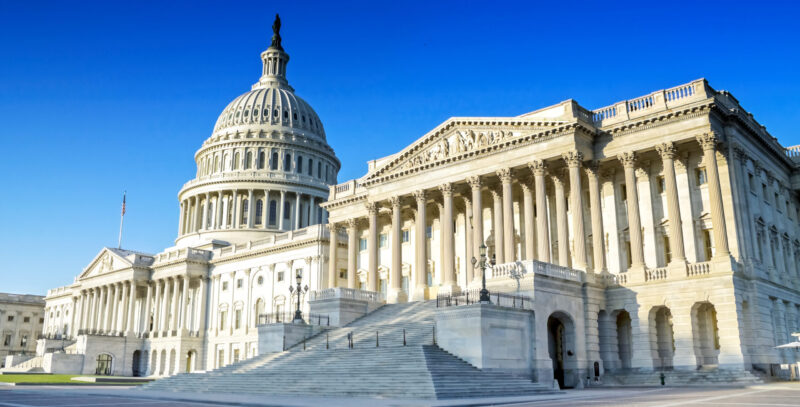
(269, 250)
(324, 190)
(658, 119)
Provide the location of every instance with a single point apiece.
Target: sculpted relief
(459, 142)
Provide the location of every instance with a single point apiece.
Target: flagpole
(121, 220)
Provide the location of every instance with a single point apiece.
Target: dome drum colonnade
(537, 225)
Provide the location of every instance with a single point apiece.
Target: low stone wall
(279, 337)
(62, 363)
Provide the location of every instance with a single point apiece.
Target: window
(660, 185)
(10, 318)
(667, 252)
(287, 162)
(299, 164)
(248, 160)
(405, 236)
(274, 164)
(777, 207)
(224, 286)
(41, 320)
(319, 169)
(261, 159)
(235, 355)
(343, 273)
(223, 316)
(750, 183)
(700, 176)
(273, 212)
(259, 210)
(239, 283)
(310, 167)
(707, 247)
(221, 358)
(238, 319)
(623, 193)
(7, 340)
(236, 159)
(260, 280)
(287, 210)
(362, 244)
(23, 341)
(26, 320)
(280, 276)
(383, 240)
(245, 208)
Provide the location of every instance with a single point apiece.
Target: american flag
(123, 203)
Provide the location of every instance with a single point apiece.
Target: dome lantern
(274, 61)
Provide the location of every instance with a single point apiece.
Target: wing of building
(657, 232)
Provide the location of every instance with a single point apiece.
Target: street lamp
(483, 265)
(298, 315)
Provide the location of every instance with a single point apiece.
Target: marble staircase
(700, 377)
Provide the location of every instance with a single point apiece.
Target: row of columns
(107, 308)
(226, 210)
(503, 215)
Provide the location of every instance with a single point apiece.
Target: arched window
(287, 162)
(274, 165)
(248, 161)
(299, 164)
(261, 159)
(210, 213)
(319, 169)
(310, 167)
(245, 205)
(259, 209)
(216, 163)
(287, 210)
(236, 159)
(273, 212)
(103, 367)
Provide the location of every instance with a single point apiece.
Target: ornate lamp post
(298, 315)
(483, 265)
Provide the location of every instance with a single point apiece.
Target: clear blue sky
(101, 97)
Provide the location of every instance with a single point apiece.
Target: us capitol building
(660, 232)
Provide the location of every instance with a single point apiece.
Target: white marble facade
(667, 227)
(21, 321)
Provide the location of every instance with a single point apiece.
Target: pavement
(774, 395)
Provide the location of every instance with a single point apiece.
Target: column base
(636, 274)
(450, 289)
(676, 270)
(419, 293)
(396, 295)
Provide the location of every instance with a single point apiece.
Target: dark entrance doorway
(137, 361)
(103, 365)
(555, 342)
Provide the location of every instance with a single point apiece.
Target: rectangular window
(708, 249)
(238, 320)
(239, 283)
(750, 183)
(224, 286)
(700, 175)
(223, 316)
(660, 185)
(362, 244)
(383, 240)
(777, 207)
(7, 340)
(221, 358)
(764, 191)
(667, 252)
(343, 274)
(235, 355)
(26, 319)
(24, 341)
(405, 236)
(310, 167)
(299, 164)
(319, 169)
(280, 276)
(10, 318)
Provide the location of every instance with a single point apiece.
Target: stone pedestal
(488, 337)
(342, 310)
(279, 337)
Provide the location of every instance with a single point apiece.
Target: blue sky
(101, 97)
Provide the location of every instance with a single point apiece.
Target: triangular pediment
(105, 262)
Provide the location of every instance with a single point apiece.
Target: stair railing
(404, 337)
(377, 342)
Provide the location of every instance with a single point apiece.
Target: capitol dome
(266, 167)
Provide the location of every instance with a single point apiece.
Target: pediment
(459, 137)
(105, 262)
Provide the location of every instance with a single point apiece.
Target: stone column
(598, 241)
(184, 302)
(527, 213)
(215, 213)
(421, 241)
(251, 208)
(396, 293)
(89, 319)
(202, 300)
(508, 215)
(372, 247)
(234, 208)
(468, 243)
(297, 211)
(204, 216)
(280, 211)
(684, 357)
(120, 315)
(477, 220)
(173, 324)
(352, 252)
(628, 160)
(574, 160)
(82, 319)
(265, 210)
(104, 303)
(164, 318)
(180, 219)
(131, 307)
(146, 314)
(225, 210)
(561, 221)
(708, 141)
(543, 233)
(449, 285)
(195, 213)
(667, 152)
(332, 257)
(497, 224)
(72, 331)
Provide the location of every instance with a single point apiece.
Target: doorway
(103, 367)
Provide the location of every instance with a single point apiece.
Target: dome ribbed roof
(270, 108)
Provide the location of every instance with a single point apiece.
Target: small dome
(268, 108)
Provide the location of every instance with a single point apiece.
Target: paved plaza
(780, 394)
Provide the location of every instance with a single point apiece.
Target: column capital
(505, 175)
(708, 140)
(572, 158)
(558, 179)
(352, 223)
(628, 159)
(666, 150)
(394, 202)
(474, 182)
(592, 169)
(447, 189)
(538, 167)
(372, 207)
(333, 227)
(420, 196)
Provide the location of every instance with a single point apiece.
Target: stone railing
(655, 274)
(180, 254)
(656, 101)
(254, 175)
(343, 190)
(793, 153)
(346, 293)
(521, 268)
(58, 291)
(698, 269)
